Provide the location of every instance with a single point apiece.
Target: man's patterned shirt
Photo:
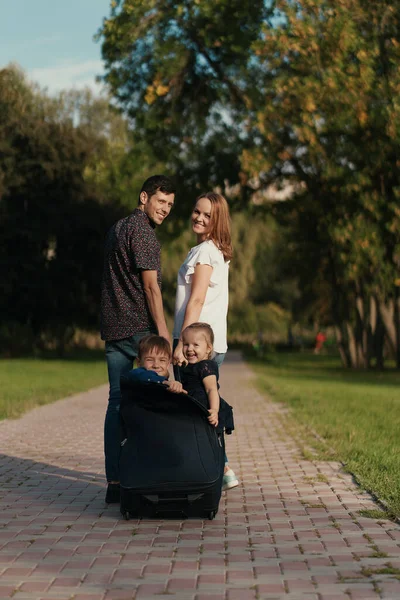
(131, 247)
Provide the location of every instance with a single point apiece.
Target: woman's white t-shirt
(215, 307)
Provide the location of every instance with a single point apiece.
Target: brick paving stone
(145, 590)
(7, 591)
(86, 597)
(281, 534)
(119, 594)
(242, 594)
(213, 596)
(271, 588)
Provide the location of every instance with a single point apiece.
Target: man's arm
(154, 302)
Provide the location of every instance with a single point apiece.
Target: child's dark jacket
(192, 380)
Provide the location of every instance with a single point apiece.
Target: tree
(178, 69)
(330, 119)
(52, 221)
(304, 91)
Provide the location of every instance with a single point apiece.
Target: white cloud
(68, 75)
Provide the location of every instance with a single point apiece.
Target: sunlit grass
(29, 382)
(356, 413)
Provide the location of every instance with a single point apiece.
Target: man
(131, 302)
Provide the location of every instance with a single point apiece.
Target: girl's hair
(154, 342)
(204, 328)
(220, 232)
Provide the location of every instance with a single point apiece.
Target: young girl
(200, 380)
(200, 375)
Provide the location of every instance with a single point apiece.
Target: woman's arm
(210, 385)
(200, 281)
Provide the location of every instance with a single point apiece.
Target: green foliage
(305, 92)
(177, 69)
(52, 220)
(248, 322)
(231, 95)
(330, 84)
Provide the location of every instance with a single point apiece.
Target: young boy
(154, 358)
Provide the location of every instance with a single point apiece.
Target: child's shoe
(113, 493)
(229, 481)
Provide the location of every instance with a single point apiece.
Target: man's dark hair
(158, 182)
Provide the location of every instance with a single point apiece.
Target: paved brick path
(292, 530)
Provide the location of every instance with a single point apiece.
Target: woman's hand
(213, 418)
(178, 358)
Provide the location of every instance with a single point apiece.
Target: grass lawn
(29, 382)
(357, 414)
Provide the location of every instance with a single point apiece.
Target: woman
(202, 290)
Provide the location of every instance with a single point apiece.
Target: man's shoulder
(137, 218)
(139, 223)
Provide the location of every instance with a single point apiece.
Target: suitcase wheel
(211, 515)
(126, 515)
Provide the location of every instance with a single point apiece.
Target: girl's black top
(192, 381)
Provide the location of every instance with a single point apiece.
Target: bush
(16, 339)
(267, 323)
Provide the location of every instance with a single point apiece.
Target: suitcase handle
(155, 499)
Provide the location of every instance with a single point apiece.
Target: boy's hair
(158, 182)
(154, 342)
(205, 328)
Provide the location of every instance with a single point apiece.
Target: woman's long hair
(220, 232)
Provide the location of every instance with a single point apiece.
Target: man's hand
(154, 301)
(165, 334)
(175, 386)
(213, 418)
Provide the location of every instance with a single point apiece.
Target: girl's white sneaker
(229, 481)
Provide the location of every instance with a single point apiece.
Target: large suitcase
(172, 459)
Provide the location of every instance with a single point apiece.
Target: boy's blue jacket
(142, 375)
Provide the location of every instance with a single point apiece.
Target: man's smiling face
(158, 206)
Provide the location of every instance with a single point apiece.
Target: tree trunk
(342, 346)
(396, 319)
(380, 344)
(361, 334)
(387, 313)
(377, 333)
(352, 345)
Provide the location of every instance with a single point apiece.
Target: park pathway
(292, 530)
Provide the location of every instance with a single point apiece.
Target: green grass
(29, 382)
(356, 413)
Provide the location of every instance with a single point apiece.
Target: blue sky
(52, 40)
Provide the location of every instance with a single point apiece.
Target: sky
(52, 40)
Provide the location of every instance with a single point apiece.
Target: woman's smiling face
(201, 218)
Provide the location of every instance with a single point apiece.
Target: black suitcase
(172, 459)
